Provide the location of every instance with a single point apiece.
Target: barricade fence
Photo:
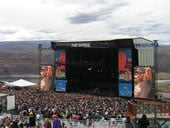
(71, 123)
(112, 123)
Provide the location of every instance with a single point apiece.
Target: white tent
(3, 94)
(21, 83)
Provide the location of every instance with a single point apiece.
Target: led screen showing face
(60, 70)
(60, 85)
(46, 77)
(125, 65)
(143, 81)
(125, 72)
(60, 63)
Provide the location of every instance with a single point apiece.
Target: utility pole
(155, 43)
(40, 54)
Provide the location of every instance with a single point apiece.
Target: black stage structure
(96, 66)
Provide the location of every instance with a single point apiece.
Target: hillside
(163, 58)
(21, 57)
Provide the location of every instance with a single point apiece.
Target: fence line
(112, 123)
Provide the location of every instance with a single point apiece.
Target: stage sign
(143, 82)
(60, 63)
(60, 85)
(125, 72)
(46, 77)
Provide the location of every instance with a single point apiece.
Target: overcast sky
(84, 19)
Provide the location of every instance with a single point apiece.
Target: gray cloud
(87, 2)
(147, 28)
(46, 31)
(84, 18)
(132, 30)
(7, 31)
(104, 12)
(154, 27)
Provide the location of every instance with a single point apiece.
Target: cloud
(7, 31)
(104, 11)
(84, 18)
(46, 31)
(89, 20)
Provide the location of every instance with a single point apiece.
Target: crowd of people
(68, 105)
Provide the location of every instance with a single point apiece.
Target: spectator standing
(143, 122)
(128, 122)
(47, 123)
(56, 121)
(32, 120)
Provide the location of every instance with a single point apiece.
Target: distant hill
(22, 57)
(163, 58)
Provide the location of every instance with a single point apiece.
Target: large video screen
(125, 89)
(60, 63)
(46, 77)
(143, 81)
(60, 70)
(125, 72)
(60, 85)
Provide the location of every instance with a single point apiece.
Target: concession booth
(7, 102)
(120, 67)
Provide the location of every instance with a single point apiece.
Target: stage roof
(114, 43)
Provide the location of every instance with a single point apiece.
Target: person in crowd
(38, 118)
(47, 123)
(143, 122)
(56, 121)
(13, 124)
(128, 123)
(0, 106)
(32, 120)
(21, 125)
(38, 125)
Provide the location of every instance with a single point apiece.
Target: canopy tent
(22, 83)
(3, 94)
